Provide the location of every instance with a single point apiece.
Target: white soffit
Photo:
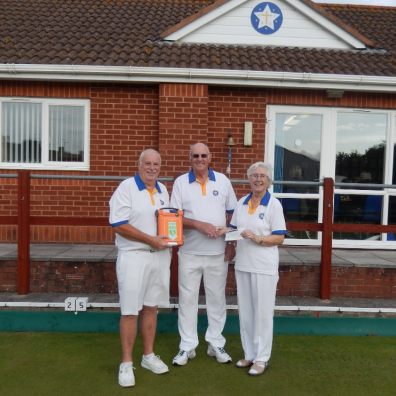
(288, 23)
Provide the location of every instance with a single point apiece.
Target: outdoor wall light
(248, 133)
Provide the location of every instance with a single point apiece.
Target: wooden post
(23, 273)
(174, 289)
(327, 239)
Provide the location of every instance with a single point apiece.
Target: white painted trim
(327, 24)
(204, 20)
(130, 74)
(310, 13)
(45, 163)
(297, 308)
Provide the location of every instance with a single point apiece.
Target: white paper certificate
(233, 235)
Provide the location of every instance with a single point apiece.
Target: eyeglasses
(200, 155)
(258, 176)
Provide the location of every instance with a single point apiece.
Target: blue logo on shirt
(215, 193)
(162, 202)
(266, 18)
(261, 216)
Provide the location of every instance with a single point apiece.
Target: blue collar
(264, 201)
(192, 178)
(141, 186)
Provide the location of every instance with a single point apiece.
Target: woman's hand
(248, 234)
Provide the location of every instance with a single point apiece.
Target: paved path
(288, 254)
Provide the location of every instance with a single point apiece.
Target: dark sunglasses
(200, 155)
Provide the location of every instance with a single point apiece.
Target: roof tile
(128, 33)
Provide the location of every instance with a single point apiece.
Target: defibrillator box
(170, 224)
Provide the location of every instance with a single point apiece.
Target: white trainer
(154, 364)
(181, 359)
(219, 353)
(126, 377)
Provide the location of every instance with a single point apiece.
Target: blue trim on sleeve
(279, 232)
(229, 211)
(232, 226)
(119, 223)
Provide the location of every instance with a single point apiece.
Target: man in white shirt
(143, 262)
(208, 200)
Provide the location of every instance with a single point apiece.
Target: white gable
(288, 23)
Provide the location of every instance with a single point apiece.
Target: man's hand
(210, 230)
(159, 242)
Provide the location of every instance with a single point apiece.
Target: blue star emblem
(261, 216)
(266, 18)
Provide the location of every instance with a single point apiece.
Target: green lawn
(86, 364)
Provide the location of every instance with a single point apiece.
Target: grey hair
(263, 165)
(144, 152)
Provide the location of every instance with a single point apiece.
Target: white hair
(263, 165)
(146, 151)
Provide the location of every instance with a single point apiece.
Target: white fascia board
(204, 20)
(202, 76)
(301, 7)
(327, 24)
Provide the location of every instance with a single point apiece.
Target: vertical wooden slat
(174, 289)
(327, 239)
(23, 275)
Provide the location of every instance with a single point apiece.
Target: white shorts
(143, 279)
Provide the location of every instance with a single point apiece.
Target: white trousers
(213, 269)
(256, 303)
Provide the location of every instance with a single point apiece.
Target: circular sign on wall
(266, 18)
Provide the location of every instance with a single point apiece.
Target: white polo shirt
(268, 219)
(131, 203)
(209, 206)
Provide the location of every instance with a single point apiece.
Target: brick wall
(295, 280)
(183, 120)
(125, 119)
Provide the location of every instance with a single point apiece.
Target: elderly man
(143, 262)
(207, 199)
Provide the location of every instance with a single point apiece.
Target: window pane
(297, 150)
(21, 132)
(300, 210)
(66, 133)
(355, 209)
(360, 147)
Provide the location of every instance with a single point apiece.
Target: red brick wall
(125, 119)
(295, 280)
(183, 120)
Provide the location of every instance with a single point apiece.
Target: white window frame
(327, 164)
(45, 163)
